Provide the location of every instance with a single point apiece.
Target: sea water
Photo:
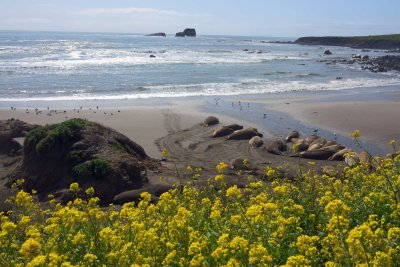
(49, 66)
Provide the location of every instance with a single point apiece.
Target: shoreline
(371, 110)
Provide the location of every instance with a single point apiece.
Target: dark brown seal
(276, 147)
(255, 142)
(291, 135)
(234, 126)
(340, 154)
(322, 154)
(309, 139)
(244, 134)
(223, 131)
(211, 120)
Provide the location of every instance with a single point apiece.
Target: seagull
(315, 131)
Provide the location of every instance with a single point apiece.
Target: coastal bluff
(368, 42)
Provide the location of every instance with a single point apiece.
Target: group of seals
(316, 147)
(226, 130)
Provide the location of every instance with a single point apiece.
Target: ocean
(51, 66)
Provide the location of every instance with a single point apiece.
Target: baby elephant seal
(243, 134)
(223, 131)
(256, 141)
(309, 139)
(292, 134)
(276, 147)
(211, 120)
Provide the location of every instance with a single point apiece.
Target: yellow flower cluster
(350, 220)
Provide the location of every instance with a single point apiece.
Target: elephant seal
(340, 154)
(256, 141)
(316, 154)
(134, 195)
(309, 139)
(321, 141)
(300, 143)
(291, 135)
(315, 146)
(330, 143)
(244, 134)
(234, 126)
(223, 131)
(239, 164)
(276, 147)
(364, 157)
(211, 120)
(335, 148)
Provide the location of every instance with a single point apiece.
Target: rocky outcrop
(369, 42)
(190, 32)
(378, 64)
(10, 129)
(161, 34)
(327, 52)
(85, 152)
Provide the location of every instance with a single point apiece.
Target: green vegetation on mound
(92, 169)
(391, 41)
(349, 218)
(43, 139)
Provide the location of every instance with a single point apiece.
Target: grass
(92, 169)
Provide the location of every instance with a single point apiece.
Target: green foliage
(95, 168)
(43, 139)
(33, 137)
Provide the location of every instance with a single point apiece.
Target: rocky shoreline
(385, 42)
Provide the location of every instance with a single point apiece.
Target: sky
(280, 18)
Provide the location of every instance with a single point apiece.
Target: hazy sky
(290, 18)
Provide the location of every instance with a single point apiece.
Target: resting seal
(291, 135)
(223, 131)
(256, 141)
(276, 147)
(340, 154)
(316, 154)
(311, 138)
(244, 134)
(211, 120)
(234, 126)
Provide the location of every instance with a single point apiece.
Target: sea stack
(190, 32)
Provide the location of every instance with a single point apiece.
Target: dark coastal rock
(327, 52)
(367, 42)
(161, 34)
(10, 129)
(152, 56)
(80, 151)
(189, 32)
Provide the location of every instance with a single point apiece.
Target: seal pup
(244, 134)
(210, 120)
(330, 143)
(291, 135)
(317, 144)
(256, 141)
(276, 147)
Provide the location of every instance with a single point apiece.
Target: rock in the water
(327, 52)
(190, 32)
(161, 34)
(84, 152)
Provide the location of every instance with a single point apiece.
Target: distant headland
(391, 41)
